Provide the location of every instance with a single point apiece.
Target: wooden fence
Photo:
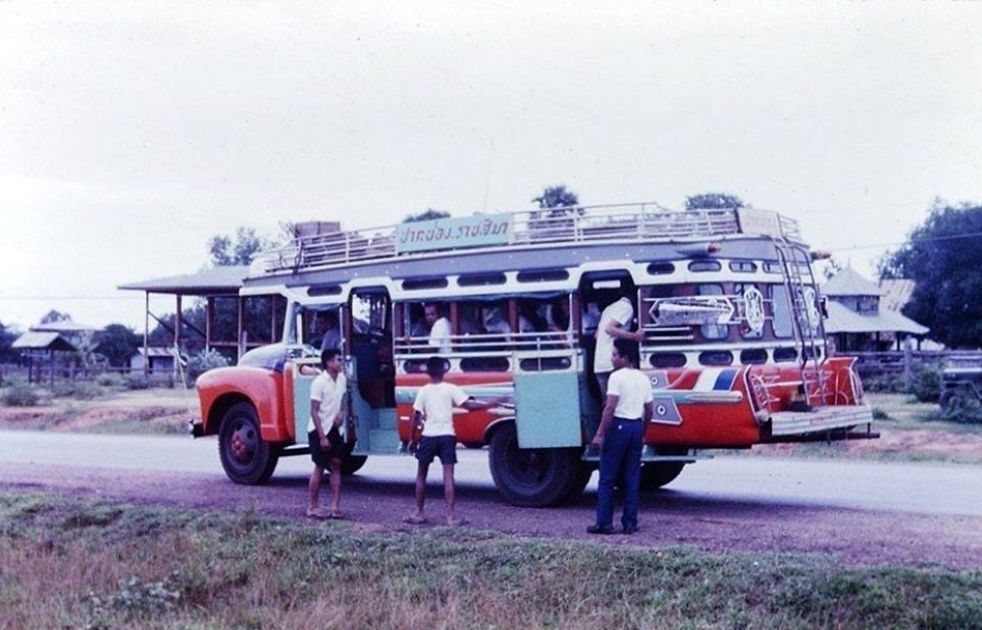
(46, 374)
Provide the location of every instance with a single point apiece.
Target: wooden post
(146, 337)
(240, 337)
(178, 324)
(209, 312)
(908, 359)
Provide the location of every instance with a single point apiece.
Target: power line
(906, 242)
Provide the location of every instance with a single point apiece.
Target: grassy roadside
(85, 563)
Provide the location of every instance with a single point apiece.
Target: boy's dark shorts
(442, 446)
(323, 457)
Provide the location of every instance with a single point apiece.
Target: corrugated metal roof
(67, 326)
(41, 341)
(849, 282)
(842, 319)
(220, 280)
(896, 293)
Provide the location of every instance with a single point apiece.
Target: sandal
(318, 513)
(412, 519)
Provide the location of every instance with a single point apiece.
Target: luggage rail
(638, 222)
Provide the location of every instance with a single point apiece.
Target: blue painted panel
(547, 409)
(301, 403)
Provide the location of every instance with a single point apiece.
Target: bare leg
(449, 493)
(314, 487)
(421, 471)
(335, 487)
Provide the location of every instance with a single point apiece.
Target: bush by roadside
(202, 362)
(24, 395)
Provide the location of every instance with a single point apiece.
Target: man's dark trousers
(621, 450)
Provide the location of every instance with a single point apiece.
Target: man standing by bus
(614, 324)
(627, 411)
(327, 417)
(434, 409)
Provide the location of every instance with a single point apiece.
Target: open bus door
(371, 370)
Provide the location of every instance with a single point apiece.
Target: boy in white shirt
(433, 408)
(324, 432)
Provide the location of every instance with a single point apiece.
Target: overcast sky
(132, 132)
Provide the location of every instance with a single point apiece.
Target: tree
(7, 336)
(713, 201)
(429, 215)
(223, 250)
(944, 260)
(118, 343)
(54, 316)
(557, 197)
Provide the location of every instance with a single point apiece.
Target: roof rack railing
(527, 228)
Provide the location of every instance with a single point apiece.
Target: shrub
(82, 390)
(883, 383)
(202, 362)
(22, 395)
(880, 414)
(137, 381)
(926, 382)
(109, 379)
(964, 409)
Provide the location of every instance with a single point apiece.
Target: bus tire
(654, 475)
(583, 473)
(536, 477)
(246, 457)
(352, 464)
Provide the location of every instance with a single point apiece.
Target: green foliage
(557, 197)
(22, 395)
(109, 379)
(80, 390)
(154, 567)
(964, 409)
(925, 383)
(944, 260)
(118, 343)
(137, 382)
(428, 215)
(880, 414)
(884, 383)
(713, 201)
(202, 362)
(224, 250)
(54, 316)
(8, 335)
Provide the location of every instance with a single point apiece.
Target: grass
(72, 562)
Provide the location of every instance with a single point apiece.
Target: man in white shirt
(439, 329)
(627, 412)
(433, 408)
(328, 410)
(614, 324)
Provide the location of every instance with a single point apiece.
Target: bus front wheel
(531, 477)
(654, 475)
(246, 457)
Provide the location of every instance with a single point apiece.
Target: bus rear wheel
(246, 457)
(531, 477)
(654, 475)
(352, 464)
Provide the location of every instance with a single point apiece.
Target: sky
(131, 133)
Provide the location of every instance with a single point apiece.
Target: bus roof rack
(525, 229)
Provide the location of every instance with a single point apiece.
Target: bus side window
(780, 311)
(713, 331)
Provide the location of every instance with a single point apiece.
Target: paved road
(859, 512)
(907, 487)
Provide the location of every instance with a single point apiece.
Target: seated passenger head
(435, 367)
(432, 313)
(329, 355)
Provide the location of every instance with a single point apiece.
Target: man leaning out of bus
(627, 411)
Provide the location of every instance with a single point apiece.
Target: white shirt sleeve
(614, 383)
(317, 388)
(459, 395)
(420, 403)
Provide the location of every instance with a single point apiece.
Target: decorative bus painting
(734, 342)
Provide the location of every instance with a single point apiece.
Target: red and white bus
(734, 342)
